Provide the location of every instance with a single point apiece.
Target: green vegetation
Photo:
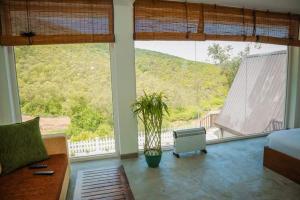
(74, 81)
(67, 80)
(151, 109)
(192, 88)
(222, 56)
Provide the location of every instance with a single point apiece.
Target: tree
(84, 118)
(230, 69)
(219, 54)
(230, 64)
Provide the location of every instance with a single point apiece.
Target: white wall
(9, 96)
(123, 78)
(293, 89)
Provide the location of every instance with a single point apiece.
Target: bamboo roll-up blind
(158, 20)
(26, 22)
(170, 20)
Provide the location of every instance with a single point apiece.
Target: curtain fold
(30, 22)
(169, 20)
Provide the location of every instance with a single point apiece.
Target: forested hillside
(191, 87)
(74, 81)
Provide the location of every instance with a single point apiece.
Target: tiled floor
(230, 170)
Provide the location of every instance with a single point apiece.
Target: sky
(192, 50)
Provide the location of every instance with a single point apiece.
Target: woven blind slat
(56, 21)
(169, 20)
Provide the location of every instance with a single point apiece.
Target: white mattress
(286, 141)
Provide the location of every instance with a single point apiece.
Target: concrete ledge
(130, 155)
(56, 143)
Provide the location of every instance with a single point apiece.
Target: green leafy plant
(86, 122)
(151, 109)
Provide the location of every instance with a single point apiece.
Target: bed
(282, 153)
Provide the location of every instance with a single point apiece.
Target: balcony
(106, 145)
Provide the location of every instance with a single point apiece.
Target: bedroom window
(233, 89)
(69, 87)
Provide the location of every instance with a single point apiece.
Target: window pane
(223, 86)
(69, 87)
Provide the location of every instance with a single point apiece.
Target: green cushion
(21, 144)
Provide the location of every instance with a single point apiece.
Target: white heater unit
(188, 140)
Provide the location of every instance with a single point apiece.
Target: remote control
(37, 166)
(43, 173)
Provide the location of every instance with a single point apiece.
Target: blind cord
(29, 33)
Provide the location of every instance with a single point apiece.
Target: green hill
(74, 81)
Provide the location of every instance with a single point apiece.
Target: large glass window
(69, 87)
(231, 88)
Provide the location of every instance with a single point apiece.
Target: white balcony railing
(95, 146)
(106, 145)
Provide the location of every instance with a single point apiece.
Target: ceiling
(292, 6)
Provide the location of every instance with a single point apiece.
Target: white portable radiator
(188, 140)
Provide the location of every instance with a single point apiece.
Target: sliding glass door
(233, 89)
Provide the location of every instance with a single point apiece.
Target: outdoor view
(198, 80)
(69, 87)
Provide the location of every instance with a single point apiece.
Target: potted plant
(151, 108)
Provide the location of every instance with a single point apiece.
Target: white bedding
(286, 141)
